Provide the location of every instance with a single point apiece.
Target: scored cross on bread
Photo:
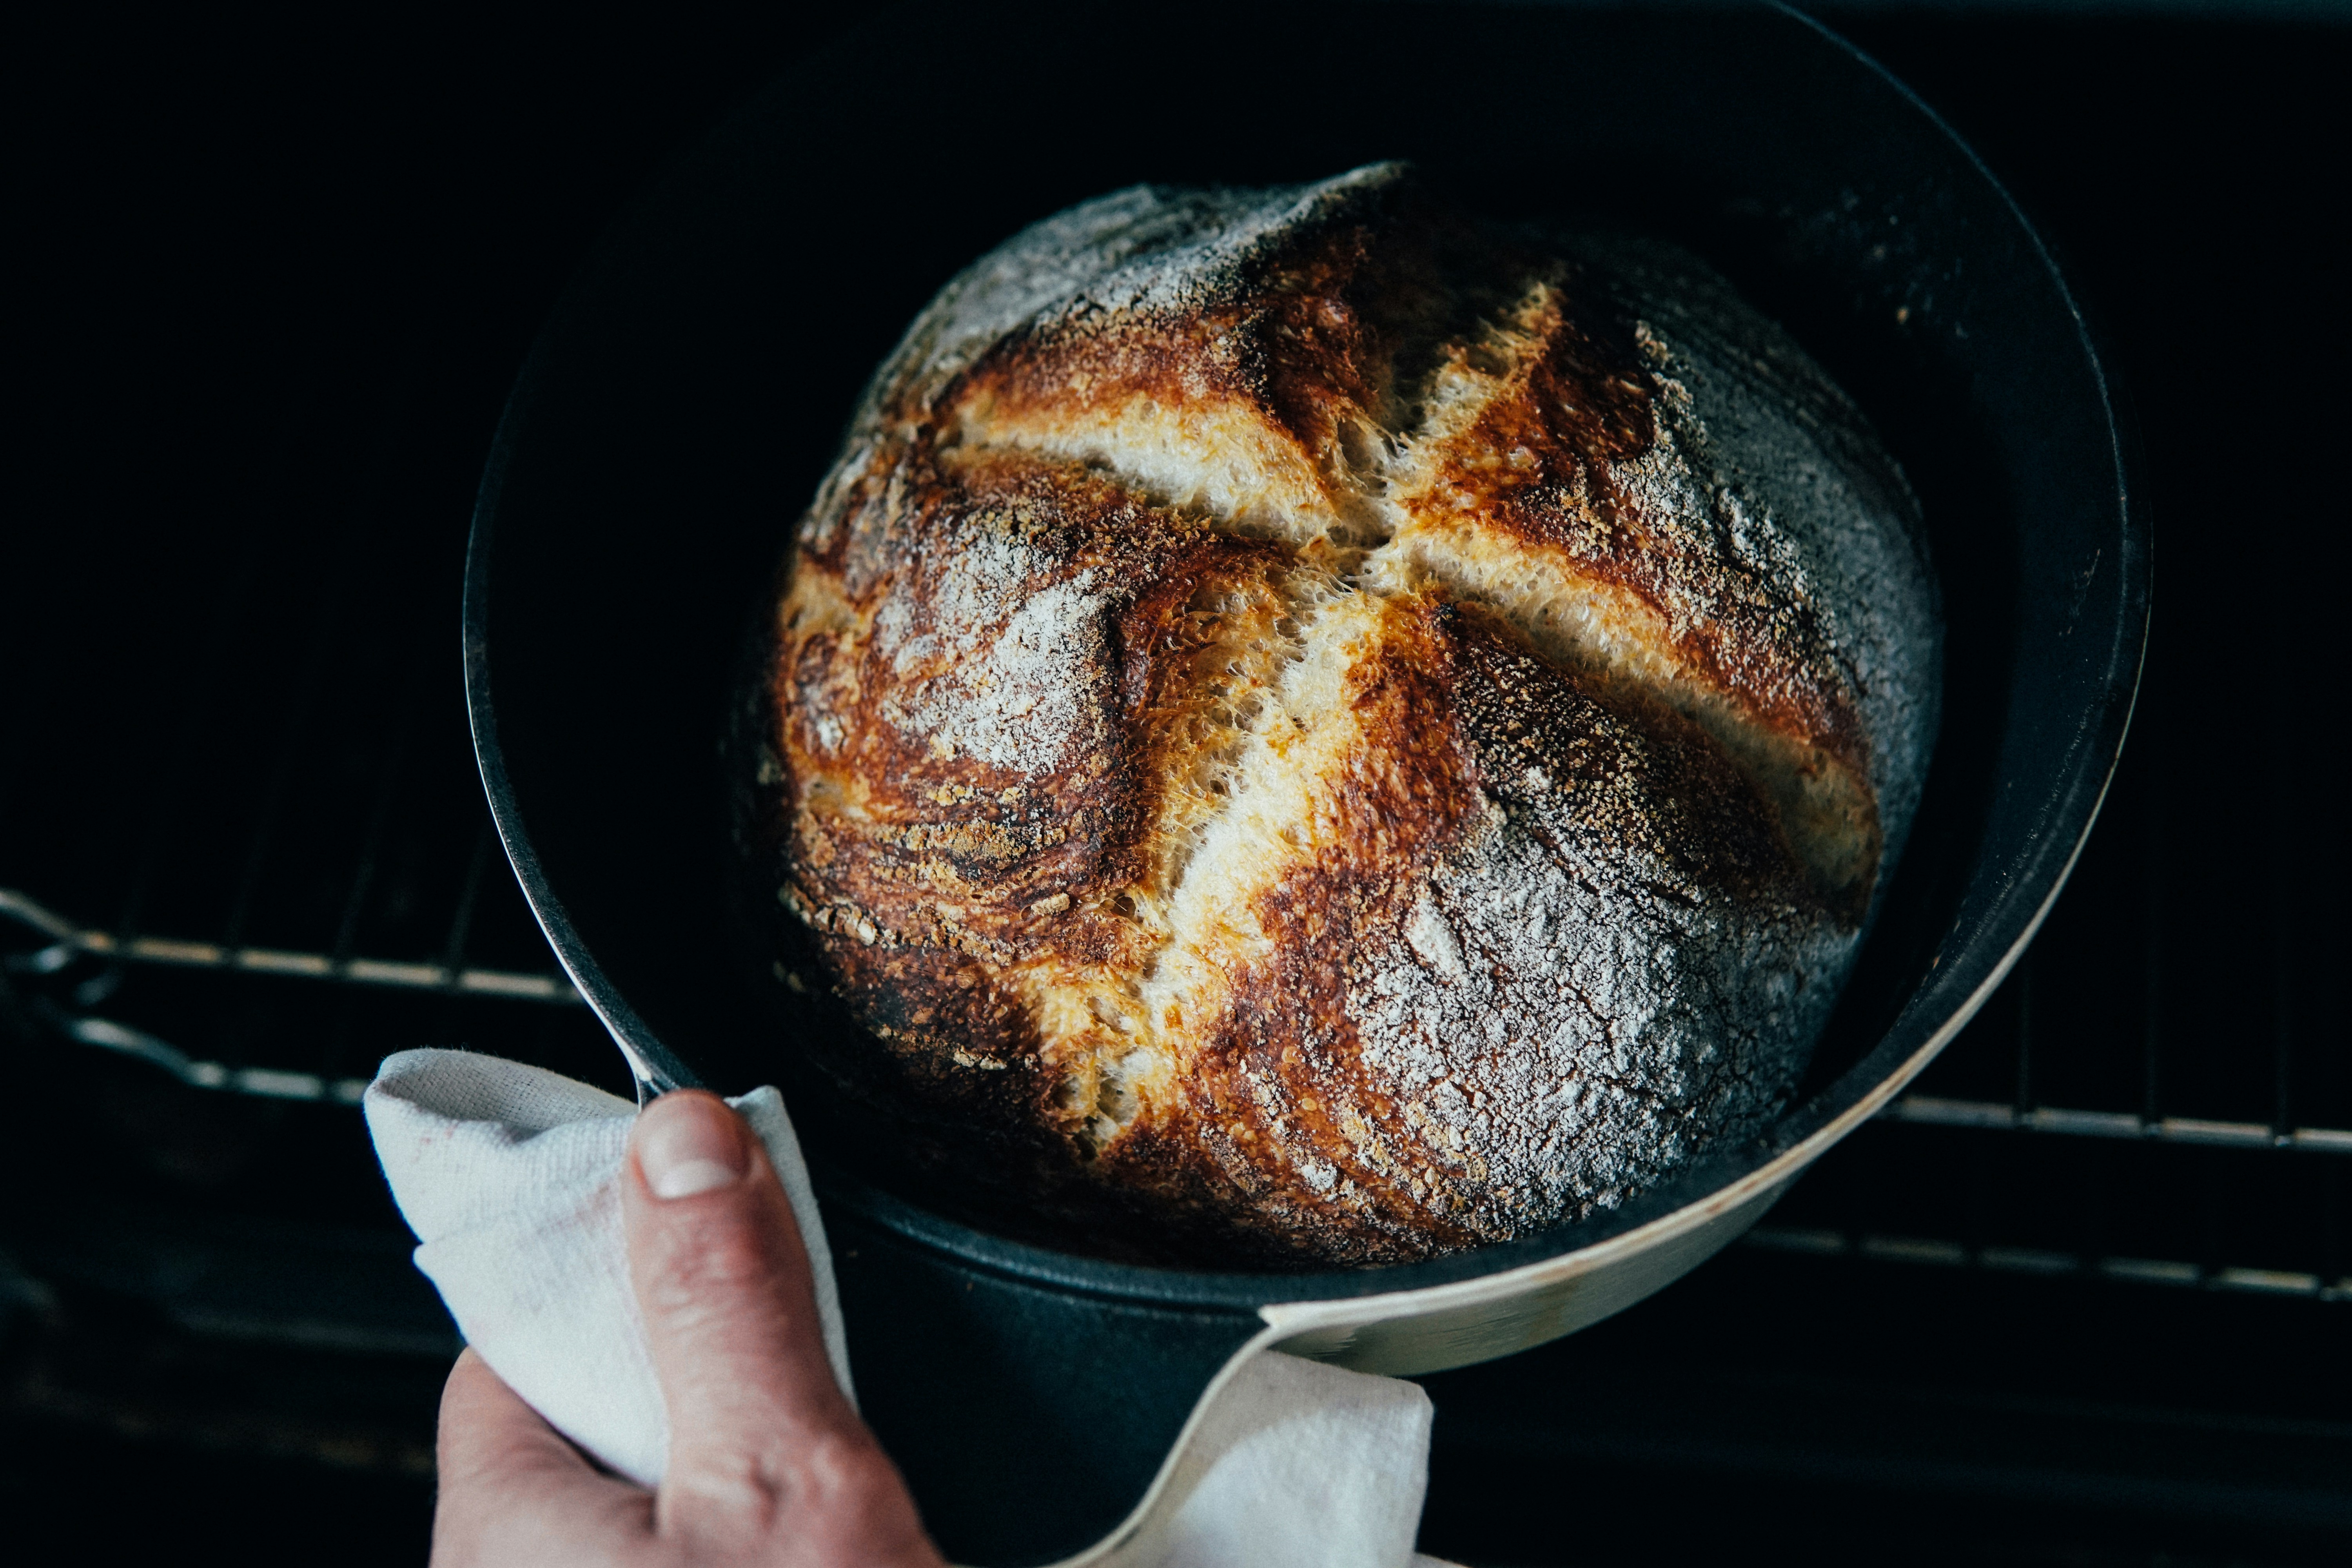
(1311, 728)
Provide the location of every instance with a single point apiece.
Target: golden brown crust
(1297, 344)
(1280, 1111)
(936, 868)
(1275, 760)
(1566, 412)
(1274, 1071)
(1545, 450)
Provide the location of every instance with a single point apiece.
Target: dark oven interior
(2079, 1296)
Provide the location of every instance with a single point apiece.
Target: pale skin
(768, 1463)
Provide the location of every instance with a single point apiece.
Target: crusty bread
(1309, 727)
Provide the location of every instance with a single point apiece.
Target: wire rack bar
(265, 1083)
(68, 942)
(1932, 1111)
(1941, 1254)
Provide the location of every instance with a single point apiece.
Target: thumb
(763, 1447)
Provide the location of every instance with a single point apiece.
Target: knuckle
(842, 1468)
(796, 1489)
(856, 1492)
(745, 1489)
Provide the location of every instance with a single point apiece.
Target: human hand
(769, 1466)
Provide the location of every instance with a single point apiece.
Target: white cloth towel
(507, 1174)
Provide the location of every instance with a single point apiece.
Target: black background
(268, 269)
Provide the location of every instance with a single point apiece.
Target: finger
(765, 1452)
(730, 1306)
(513, 1492)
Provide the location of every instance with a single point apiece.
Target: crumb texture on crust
(1309, 730)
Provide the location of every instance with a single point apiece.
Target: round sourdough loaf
(1305, 728)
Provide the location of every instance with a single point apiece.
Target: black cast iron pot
(681, 407)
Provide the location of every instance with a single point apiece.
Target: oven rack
(70, 941)
(68, 944)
